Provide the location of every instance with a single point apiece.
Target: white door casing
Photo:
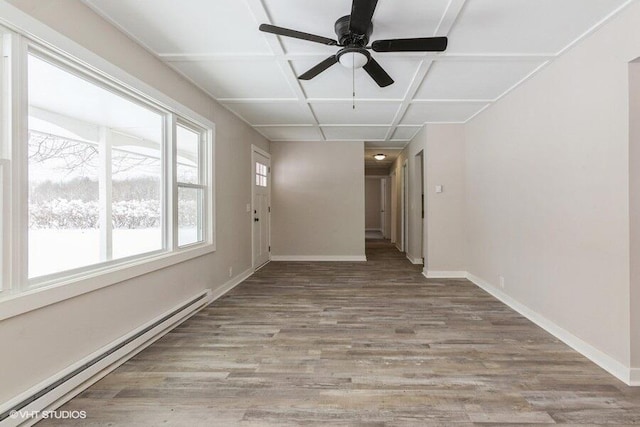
(261, 207)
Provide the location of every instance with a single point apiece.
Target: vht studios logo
(59, 415)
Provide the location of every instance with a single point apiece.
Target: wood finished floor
(367, 344)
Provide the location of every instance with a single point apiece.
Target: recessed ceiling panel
(273, 113)
(309, 16)
(525, 26)
(238, 78)
(440, 112)
(473, 79)
(360, 133)
(365, 113)
(196, 26)
(337, 81)
(291, 133)
(405, 133)
(397, 19)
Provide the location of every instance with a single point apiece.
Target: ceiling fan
(353, 33)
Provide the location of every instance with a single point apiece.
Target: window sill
(16, 304)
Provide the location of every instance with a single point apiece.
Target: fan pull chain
(353, 83)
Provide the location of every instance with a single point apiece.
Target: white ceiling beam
(261, 15)
(444, 56)
(447, 21)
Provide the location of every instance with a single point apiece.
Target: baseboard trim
(319, 258)
(431, 274)
(373, 229)
(598, 357)
(232, 283)
(68, 383)
(398, 246)
(634, 377)
(415, 261)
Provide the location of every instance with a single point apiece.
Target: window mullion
(105, 194)
(171, 190)
(17, 114)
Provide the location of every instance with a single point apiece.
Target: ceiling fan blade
(377, 73)
(296, 34)
(319, 68)
(426, 44)
(361, 14)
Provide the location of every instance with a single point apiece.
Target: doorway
(260, 207)
(374, 207)
(404, 207)
(421, 209)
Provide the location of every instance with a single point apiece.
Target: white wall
(547, 184)
(317, 199)
(42, 342)
(373, 204)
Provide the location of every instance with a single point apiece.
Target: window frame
(200, 185)
(112, 87)
(18, 293)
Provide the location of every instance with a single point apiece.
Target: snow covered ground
(55, 250)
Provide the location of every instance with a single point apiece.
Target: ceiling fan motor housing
(349, 39)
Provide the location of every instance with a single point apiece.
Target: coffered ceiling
(494, 45)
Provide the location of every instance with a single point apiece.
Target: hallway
(370, 343)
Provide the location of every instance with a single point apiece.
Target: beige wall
(547, 183)
(634, 209)
(317, 199)
(373, 204)
(47, 340)
(443, 231)
(445, 211)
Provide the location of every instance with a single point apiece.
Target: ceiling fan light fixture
(353, 59)
(380, 156)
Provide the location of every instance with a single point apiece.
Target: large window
(95, 172)
(106, 177)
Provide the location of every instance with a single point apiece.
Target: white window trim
(20, 298)
(203, 178)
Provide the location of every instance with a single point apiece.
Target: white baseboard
(431, 274)
(373, 229)
(416, 261)
(320, 258)
(232, 283)
(606, 362)
(70, 388)
(398, 246)
(634, 377)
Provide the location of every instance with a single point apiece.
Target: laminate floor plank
(356, 344)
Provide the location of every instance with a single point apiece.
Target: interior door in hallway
(261, 208)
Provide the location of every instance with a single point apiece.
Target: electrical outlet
(501, 281)
(230, 271)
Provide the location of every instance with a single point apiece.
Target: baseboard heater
(194, 305)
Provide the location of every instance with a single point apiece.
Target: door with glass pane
(261, 208)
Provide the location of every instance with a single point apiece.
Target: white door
(405, 207)
(383, 207)
(261, 209)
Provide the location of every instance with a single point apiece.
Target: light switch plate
(439, 188)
